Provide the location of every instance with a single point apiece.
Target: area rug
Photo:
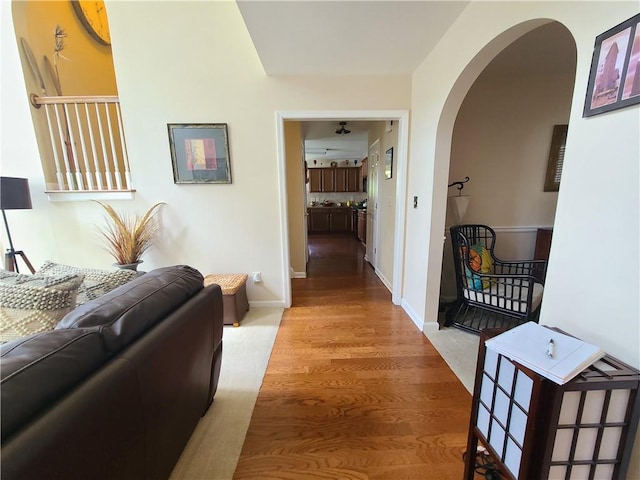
(459, 349)
(214, 448)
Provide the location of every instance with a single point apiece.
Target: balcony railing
(85, 143)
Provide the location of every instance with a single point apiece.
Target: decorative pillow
(480, 261)
(34, 303)
(96, 282)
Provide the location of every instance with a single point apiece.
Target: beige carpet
(459, 349)
(215, 446)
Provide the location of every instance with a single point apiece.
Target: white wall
(168, 79)
(592, 284)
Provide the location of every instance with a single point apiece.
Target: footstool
(234, 295)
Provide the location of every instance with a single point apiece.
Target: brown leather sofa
(115, 391)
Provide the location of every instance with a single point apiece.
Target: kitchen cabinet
(347, 179)
(322, 180)
(341, 221)
(319, 221)
(330, 220)
(334, 179)
(362, 226)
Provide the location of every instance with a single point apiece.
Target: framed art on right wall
(614, 80)
(388, 164)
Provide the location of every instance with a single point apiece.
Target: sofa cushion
(96, 282)
(37, 370)
(124, 314)
(34, 303)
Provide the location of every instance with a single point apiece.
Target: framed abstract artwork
(614, 80)
(388, 164)
(199, 152)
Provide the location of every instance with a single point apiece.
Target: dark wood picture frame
(556, 158)
(388, 164)
(614, 80)
(199, 152)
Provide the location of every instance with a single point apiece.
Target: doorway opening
(294, 204)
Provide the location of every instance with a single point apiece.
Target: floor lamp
(14, 195)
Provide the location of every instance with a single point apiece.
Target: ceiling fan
(342, 130)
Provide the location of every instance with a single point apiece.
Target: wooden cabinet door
(362, 226)
(315, 180)
(341, 221)
(341, 179)
(353, 180)
(319, 222)
(328, 179)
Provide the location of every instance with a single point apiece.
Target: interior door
(372, 203)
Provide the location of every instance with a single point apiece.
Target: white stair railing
(87, 145)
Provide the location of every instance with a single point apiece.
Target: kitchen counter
(330, 219)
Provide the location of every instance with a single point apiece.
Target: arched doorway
(451, 153)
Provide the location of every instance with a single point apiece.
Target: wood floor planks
(353, 390)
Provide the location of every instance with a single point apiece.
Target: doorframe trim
(402, 117)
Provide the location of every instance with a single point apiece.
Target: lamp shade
(14, 193)
(459, 207)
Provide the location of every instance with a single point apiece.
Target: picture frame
(614, 79)
(199, 152)
(388, 164)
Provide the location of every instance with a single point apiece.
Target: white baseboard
(384, 280)
(299, 275)
(267, 304)
(415, 318)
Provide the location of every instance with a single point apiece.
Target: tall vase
(128, 266)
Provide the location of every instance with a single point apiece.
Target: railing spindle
(113, 150)
(105, 162)
(123, 148)
(85, 157)
(92, 142)
(91, 165)
(73, 152)
(56, 159)
(65, 152)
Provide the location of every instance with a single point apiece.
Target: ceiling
(322, 143)
(385, 37)
(307, 37)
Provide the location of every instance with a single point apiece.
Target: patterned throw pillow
(480, 261)
(96, 282)
(34, 303)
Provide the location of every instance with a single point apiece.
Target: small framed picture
(199, 152)
(388, 164)
(614, 80)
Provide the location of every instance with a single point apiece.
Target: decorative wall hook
(460, 185)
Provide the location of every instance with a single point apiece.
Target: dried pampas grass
(129, 236)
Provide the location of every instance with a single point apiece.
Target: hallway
(353, 390)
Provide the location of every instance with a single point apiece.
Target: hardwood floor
(353, 390)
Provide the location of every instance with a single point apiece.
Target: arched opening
(496, 128)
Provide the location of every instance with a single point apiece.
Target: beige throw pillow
(96, 282)
(34, 303)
